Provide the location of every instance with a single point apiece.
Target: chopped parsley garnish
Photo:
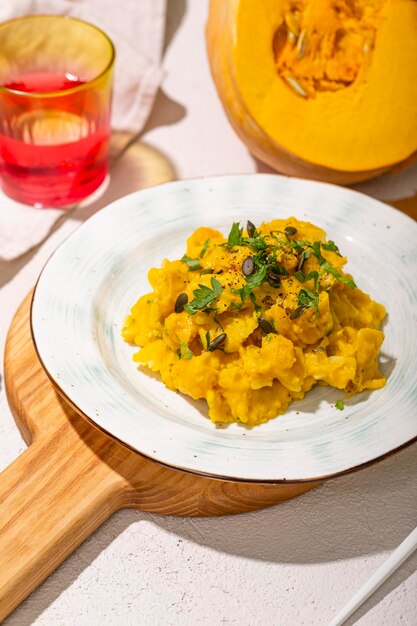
(306, 298)
(330, 245)
(343, 279)
(256, 243)
(204, 248)
(203, 297)
(278, 269)
(325, 265)
(339, 405)
(185, 352)
(235, 235)
(253, 300)
(252, 281)
(267, 250)
(299, 274)
(192, 264)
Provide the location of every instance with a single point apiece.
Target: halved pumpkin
(324, 89)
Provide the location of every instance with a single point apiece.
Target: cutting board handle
(45, 514)
(73, 477)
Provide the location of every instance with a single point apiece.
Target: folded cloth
(136, 28)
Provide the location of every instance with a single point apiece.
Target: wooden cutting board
(73, 477)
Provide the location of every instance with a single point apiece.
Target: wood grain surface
(73, 477)
(406, 205)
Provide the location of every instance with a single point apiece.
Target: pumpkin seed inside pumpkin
(301, 44)
(292, 24)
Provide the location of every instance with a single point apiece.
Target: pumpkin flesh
(355, 63)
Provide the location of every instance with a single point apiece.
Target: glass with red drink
(55, 96)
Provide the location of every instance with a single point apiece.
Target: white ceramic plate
(93, 278)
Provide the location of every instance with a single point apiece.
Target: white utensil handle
(389, 566)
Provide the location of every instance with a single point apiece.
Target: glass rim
(70, 90)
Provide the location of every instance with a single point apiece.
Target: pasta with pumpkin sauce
(253, 321)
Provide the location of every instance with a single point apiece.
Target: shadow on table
(398, 185)
(174, 16)
(335, 521)
(9, 269)
(141, 164)
(344, 518)
(137, 166)
(368, 512)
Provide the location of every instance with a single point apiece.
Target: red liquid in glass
(42, 82)
(53, 150)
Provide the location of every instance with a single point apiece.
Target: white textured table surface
(294, 564)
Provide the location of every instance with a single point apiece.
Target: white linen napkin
(136, 28)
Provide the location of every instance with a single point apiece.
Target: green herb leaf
(203, 297)
(192, 264)
(204, 248)
(185, 352)
(257, 278)
(330, 245)
(304, 277)
(316, 247)
(253, 300)
(307, 298)
(327, 267)
(252, 281)
(343, 279)
(339, 405)
(235, 235)
(290, 243)
(278, 269)
(256, 243)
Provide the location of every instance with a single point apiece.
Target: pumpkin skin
(343, 137)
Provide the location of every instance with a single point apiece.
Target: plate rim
(181, 468)
(209, 476)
